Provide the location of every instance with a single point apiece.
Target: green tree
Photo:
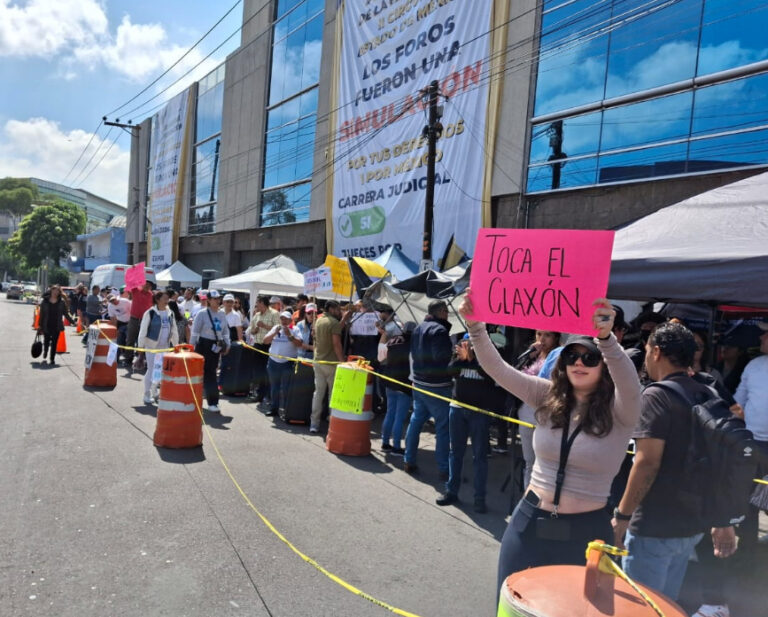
(46, 232)
(11, 265)
(17, 196)
(276, 209)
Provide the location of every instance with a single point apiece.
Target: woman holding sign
(157, 331)
(584, 418)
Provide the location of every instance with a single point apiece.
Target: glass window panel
(201, 220)
(283, 6)
(294, 63)
(209, 112)
(659, 119)
(308, 103)
(277, 83)
(305, 141)
(733, 34)
(729, 151)
(731, 106)
(646, 163)
(314, 7)
(657, 46)
(580, 135)
(296, 17)
(580, 172)
(206, 164)
(313, 47)
(573, 59)
(284, 206)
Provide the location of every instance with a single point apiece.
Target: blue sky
(66, 63)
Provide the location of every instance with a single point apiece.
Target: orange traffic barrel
(179, 423)
(61, 344)
(350, 433)
(79, 325)
(97, 371)
(578, 591)
(36, 320)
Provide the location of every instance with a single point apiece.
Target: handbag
(37, 347)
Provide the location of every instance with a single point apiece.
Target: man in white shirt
(752, 395)
(119, 313)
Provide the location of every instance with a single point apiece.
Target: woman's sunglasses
(588, 358)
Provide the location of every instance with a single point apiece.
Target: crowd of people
(589, 399)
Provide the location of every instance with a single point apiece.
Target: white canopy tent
(179, 272)
(279, 261)
(277, 280)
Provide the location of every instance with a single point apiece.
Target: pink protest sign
(135, 277)
(544, 279)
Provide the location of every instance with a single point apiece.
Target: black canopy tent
(711, 248)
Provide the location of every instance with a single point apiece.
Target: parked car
(14, 292)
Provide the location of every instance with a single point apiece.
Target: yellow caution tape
(449, 400)
(609, 566)
(336, 579)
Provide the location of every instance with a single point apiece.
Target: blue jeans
(659, 563)
(425, 406)
(398, 404)
(280, 380)
(464, 423)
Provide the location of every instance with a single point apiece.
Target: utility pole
(432, 132)
(134, 129)
(556, 143)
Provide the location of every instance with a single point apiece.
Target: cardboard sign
(112, 354)
(340, 275)
(157, 369)
(318, 280)
(90, 350)
(544, 279)
(135, 277)
(349, 389)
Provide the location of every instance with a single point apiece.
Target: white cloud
(139, 51)
(39, 148)
(44, 27)
(76, 33)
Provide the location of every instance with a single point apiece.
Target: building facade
(607, 111)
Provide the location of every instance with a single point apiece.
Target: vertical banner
(390, 52)
(169, 127)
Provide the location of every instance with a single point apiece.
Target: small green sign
(349, 389)
(363, 223)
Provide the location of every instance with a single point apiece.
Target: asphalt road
(96, 521)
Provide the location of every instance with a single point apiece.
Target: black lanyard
(565, 449)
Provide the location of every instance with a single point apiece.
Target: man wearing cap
(752, 395)
(234, 319)
(263, 319)
(328, 350)
(199, 302)
(284, 344)
(431, 352)
(119, 313)
(210, 336)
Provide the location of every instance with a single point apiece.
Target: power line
(103, 156)
(82, 152)
(101, 143)
(184, 55)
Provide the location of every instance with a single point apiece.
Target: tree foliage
(47, 231)
(12, 266)
(17, 196)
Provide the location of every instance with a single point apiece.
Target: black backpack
(721, 460)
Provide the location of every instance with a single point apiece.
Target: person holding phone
(284, 343)
(585, 415)
(210, 336)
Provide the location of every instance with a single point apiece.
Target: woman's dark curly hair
(597, 419)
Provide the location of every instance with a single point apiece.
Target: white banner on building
(167, 179)
(391, 50)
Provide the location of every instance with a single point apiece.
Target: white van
(113, 275)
